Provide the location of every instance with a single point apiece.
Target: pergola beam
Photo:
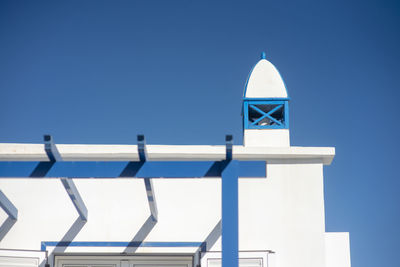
(44, 167)
(51, 149)
(148, 169)
(148, 182)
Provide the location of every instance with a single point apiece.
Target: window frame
(31, 257)
(246, 110)
(267, 257)
(122, 261)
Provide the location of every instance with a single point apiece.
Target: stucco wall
(337, 249)
(266, 138)
(283, 213)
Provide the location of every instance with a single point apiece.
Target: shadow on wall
(67, 238)
(6, 226)
(212, 238)
(141, 235)
(137, 240)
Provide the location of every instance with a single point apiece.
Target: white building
(130, 221)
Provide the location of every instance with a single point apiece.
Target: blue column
(230, 229)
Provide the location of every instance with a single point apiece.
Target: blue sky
(104, 71)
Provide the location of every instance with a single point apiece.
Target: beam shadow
(42, 169)
(6, 226)
(67, 238)
(141, 235)
(212, 238)
(131, 169)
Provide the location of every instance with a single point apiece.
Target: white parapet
(74, 152)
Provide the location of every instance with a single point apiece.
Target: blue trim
(45, 244)
(41, 169)
(251, 104)
(246, 114)
(230, 215)
(287, 115)
(266, 115)
(265, 102)
(148, 169)
(266, 99)
(272, 127)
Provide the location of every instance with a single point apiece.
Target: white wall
(266, 138)
(337, 249)
(117, 209)
(283, 213)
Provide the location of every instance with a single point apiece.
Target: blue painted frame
(148, 182)
(118, 169)
(280, 103)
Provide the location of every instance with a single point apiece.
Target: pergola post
(230, 225)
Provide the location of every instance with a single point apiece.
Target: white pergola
(151, 161)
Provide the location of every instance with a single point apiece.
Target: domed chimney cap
(265, 81)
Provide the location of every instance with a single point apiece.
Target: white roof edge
(74, 152)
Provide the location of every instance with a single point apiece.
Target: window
(246, 259)
(20, 258)
(20, 262)
(124, 261)
(266, 114)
